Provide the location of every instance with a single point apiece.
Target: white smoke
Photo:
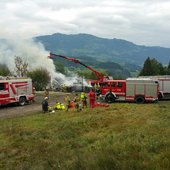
(31, 52)
(35, 55)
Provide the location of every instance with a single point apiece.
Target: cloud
(142, 22)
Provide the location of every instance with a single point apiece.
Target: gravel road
(14, 110)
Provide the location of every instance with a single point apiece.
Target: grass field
(123, 136)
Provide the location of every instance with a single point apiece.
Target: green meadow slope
(123, 136)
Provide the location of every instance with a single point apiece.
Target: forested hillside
(120, 58)
(114, 50)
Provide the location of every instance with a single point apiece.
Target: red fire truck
(137, 90)
(14, 90)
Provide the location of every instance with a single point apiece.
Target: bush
(4, 70)
(40, 77)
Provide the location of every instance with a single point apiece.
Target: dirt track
(14, 110)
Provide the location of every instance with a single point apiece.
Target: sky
(143, 22)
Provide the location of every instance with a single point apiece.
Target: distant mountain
(102, 49)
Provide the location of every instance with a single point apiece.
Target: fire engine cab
(16, 90)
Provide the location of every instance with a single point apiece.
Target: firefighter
(77, 102)
(33, 92)
(57, 106)
(95, 87)
(67, 102)
(98, 86)
(50, 109)
(83, 97)
(92, 98)
(62, 106)
(64, 88)
(45, 105)
(98, 92)
(46, 93)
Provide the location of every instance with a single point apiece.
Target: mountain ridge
(115, 50)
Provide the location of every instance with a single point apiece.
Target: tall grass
(124, 136)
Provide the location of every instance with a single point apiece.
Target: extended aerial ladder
(100, 76)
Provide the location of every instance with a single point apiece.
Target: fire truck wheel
(139, 99)
(110, 98)
(22, 101)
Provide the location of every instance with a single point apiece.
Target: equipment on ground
(16, 90)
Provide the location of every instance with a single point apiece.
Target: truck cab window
(119, 84)
(2, 86)
(113, 84)
(104, 84)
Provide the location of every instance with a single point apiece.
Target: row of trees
(41, 77)
(152, 67)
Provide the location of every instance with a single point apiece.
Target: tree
(4, 70)
(152, 67)
(59, 67)
(162, 70)
(40, 77)
(147, 68)
(157, 67)
(21, 67)
(168, 69)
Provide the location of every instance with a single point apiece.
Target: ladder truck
(137, 90)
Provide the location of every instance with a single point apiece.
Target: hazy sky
(145, 22)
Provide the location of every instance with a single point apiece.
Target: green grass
(123, 136)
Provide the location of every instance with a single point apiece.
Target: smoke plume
(34, 54)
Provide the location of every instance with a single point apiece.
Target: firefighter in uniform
(77, 102)
(95, 87)
(33, 92)
(57, 106)
(92, 98)
(46, 93)
(45, 105)
(62, 106)
(67, 101)
(83, 97)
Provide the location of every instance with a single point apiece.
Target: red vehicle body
(138, 90)
(116, 86)
(16, 91)
(132, 89)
